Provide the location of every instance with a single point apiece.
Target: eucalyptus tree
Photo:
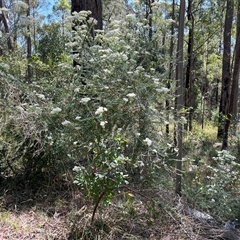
(203, 67)
(232, 115)
(5, 29)
(226, 71)
(235, 78)
(189, 68)
(179, 78)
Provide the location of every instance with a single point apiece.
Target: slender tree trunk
(170, 76)
(179, 77)
(226, 73)
(235, 83)
(149, 17)
(189, 75)
(6, 27)
(29, 48)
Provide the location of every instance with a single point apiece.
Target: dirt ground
(61, 212)
(32, 225)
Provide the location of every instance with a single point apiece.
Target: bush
(214, 186)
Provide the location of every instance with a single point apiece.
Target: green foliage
(214, 185)
(51, 45)
(62, 5)
(108, 123)
(112, 113)
(106, 171)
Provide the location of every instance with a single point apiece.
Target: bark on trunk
(189, 76)
(226, 73)
(95, 6)
(179, 77)
(6, 27)
(232, 113)
(170, 76)
(29, 49)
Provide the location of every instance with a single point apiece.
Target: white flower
(101, 110)
(102, 123)
(106, 71)
(99, 31)
(76, 90)
(19, 108)
(124, 57)
(132, 95)
(125, 99)
(140, 68)
(41, 96)
(78, 118)
(66, 122)
(92, 21)
(148, 141)
(76, 169)
(156, 4)
(56, 110)
(163, 90)
(130, 16)
(85, 100)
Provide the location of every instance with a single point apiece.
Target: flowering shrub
(101, 114)
(120, 96)
(215, 185)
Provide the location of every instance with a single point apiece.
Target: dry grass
(61, 212)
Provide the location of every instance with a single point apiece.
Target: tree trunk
(232, 113)
(179, 78)
(226, 73)
(149, 17)
(170, 76)
(29, 48)
(6, 27)
(189, 76)
(235, 84)
(95, 6)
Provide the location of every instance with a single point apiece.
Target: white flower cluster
(66, 122)
(102, 123)
(101, 110)
(148, 141)
(85, 100)
(131, 95)
(41, 96)
(56, 110)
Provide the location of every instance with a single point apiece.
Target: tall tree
(4, 20)
(233, 108)
(226, 72)
(179, 78)
(235, 81)
(189, 72)
(29, 46)
(170, 76)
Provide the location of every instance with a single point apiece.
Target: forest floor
(61, 212)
